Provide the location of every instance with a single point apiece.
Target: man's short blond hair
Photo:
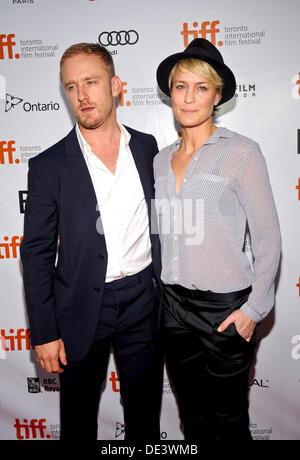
(89, 49)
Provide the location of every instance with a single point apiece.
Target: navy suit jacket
(64, 287)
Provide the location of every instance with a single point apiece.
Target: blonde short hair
(200, 68)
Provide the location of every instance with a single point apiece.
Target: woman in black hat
(211, 184)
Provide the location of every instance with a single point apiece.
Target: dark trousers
(127, 323)
(209, 370)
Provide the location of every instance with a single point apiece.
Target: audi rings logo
(115, 38)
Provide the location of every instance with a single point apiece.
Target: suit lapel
(82, 178)
(141, 165)
(144, 170)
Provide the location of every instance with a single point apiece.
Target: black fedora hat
(202, 49)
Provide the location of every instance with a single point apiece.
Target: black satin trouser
(209, 370)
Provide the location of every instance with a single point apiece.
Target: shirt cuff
(252, 314)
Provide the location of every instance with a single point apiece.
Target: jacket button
(100, 256)
(97, 290)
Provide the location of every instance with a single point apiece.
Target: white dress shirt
(123, 209)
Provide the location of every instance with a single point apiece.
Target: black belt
(209, 296)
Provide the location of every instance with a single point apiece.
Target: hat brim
(165, 67)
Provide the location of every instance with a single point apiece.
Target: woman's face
(193, 98)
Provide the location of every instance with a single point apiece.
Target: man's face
(90, 90)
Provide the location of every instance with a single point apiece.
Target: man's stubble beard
(96, 122)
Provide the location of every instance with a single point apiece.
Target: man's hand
(244, 325)
(48, 355)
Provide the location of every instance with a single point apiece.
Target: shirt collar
(86, 148)
(218, 134)
(127, 135)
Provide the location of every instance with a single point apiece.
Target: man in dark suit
(90, 195)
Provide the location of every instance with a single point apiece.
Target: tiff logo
(298, 188)
(208, 28)
(298, 285)
(10, 249)
(21, 339)
(296, 87)
(31, 429)
(7, 148)
(2, 348)
(114, 379)
(121, 96)
(7, 43)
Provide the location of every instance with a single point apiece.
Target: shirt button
(175, 238)
(184, 180)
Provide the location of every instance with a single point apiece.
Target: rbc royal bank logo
(49, 384)
(33, 385)
(207, 29)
